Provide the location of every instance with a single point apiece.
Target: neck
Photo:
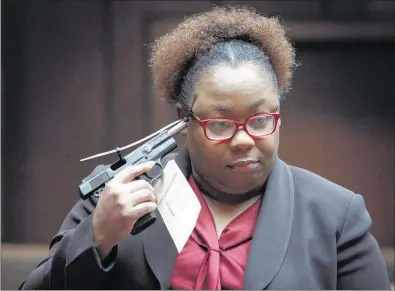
(224, 197)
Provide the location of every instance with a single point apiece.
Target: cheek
(268, 146)
(203, 150)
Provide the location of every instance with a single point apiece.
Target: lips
(243, 163)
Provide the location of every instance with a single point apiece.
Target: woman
(263, 224)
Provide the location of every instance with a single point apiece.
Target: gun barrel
(177, 128)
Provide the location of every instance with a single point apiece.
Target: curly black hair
(223, 34)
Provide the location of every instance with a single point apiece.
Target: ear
(180, 115)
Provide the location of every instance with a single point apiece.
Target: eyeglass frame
(239, 125)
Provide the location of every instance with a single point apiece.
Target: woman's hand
(123, 201)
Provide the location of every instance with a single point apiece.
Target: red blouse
(206, 263)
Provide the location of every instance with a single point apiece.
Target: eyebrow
(222, 108)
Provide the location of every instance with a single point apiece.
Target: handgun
(152, 150)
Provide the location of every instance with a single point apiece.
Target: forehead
(235, 87)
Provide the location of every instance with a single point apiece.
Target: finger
(120, 191)
(136, 185)
(142, 209)
(132, 199)
(130, 173)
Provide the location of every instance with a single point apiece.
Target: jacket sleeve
(72, 261)
(360, 262)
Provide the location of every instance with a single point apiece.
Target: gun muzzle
(177, 128)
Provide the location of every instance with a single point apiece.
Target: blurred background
(75, 82)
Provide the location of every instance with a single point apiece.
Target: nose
(241, 141)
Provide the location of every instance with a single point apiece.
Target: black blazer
(310, 234)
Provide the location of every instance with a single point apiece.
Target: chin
(238, 188)
(241, 183)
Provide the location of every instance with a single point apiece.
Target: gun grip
(143, 222)
(148, 219)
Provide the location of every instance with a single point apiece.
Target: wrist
(102, 246)
(103, 251)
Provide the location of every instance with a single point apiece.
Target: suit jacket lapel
(273, 229)
(159, 248)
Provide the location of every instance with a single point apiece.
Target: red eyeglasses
(220, 129)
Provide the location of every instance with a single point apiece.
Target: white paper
(177, 204)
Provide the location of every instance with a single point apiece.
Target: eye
(260, 121)
(220, 125)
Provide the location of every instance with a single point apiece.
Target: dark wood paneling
(61, 116)
(13, 149)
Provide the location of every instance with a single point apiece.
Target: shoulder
(326, 210)
(316, 186)
(324, 200)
